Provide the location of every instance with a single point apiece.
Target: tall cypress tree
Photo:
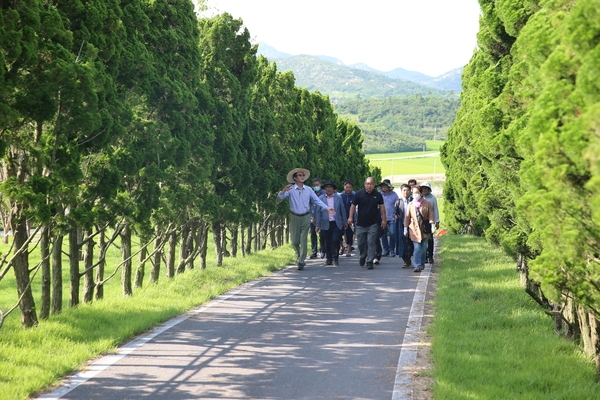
(229, 71)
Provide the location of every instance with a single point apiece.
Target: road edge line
(410, 343)
(104, 362)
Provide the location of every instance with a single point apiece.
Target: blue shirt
(389, 199)
(347, 200)
(300, 199)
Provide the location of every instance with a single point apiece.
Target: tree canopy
(135, 117)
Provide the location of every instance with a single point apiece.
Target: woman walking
(419, 224)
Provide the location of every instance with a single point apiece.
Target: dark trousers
(331, 241)
(349, 233)
(430, 247)
(405, 248)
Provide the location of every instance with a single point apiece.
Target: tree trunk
(57, 281)
(88, 276)
(191, 245)
(224, 241)
(171, 254)
(234, 240)
(7, 228)
(249, 240)
(217, 238)
(126, 259)
(595, 338)
(141, 269)
(256, 232)
(155, 272)
(101, 265)
(21, 268)
(46, 278)
(243, 241)
(272, 235)
(280, 234)
(79, 242)
(202, 242)
(73, 267)
(183, 248)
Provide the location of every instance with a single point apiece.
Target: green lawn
(397, 164)
(490, 340)
(32, 359)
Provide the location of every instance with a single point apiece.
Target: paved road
(321, 333)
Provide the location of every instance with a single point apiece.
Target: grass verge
(395, 164)
(491, 340)
(33, 359)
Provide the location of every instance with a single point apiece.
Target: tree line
(400, 123)
(522, 156)
(122, 118)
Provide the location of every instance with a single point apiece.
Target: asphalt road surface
(321, 333)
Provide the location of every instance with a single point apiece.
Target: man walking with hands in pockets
(300, 198)
(371, 213)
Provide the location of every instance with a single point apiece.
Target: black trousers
(349, 233)
(429, 247)
(407, 247)
(331, 241)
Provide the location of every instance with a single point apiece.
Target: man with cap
(300, 198)
(331, 226)
(427, 195)
(389, 200)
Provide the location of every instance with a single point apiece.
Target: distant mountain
(342, 82)
(450, 81)
(404, 74)
(271, 53)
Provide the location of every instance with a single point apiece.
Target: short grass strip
(491, 340)
(31, 359)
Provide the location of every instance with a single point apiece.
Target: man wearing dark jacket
(405, 245)
(347, 198)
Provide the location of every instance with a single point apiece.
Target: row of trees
(522, 157)
(135, 117)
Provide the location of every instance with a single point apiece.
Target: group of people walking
(385, 223)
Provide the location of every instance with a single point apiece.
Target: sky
(427, 36)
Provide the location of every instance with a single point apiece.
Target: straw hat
(290, 175)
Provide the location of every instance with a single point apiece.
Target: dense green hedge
(522, 156)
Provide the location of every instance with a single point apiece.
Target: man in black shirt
(371, 213)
